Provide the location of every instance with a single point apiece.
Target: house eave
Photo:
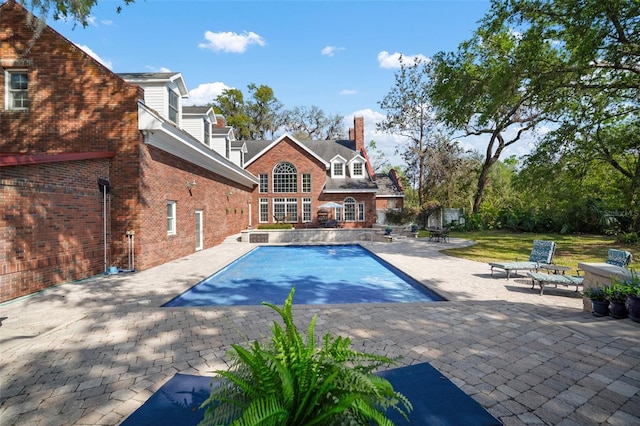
(165, 136)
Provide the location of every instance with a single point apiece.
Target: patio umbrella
(330, 205)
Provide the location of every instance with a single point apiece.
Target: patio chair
(543, 279)
(541, 254)
(620, 258)
(615, 257)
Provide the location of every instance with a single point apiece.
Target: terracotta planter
(600, 308)
(633, 306)
(618, 309)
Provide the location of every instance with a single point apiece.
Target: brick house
(299, 178)
(66, 121)
(99, 169)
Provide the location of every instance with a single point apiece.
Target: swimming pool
(331, 274)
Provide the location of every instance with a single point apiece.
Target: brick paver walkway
(92, 352)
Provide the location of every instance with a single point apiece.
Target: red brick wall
(49, 210)
(43, 241)
(224, 205)
(304, 163)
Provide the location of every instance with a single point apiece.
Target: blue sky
(338, 55)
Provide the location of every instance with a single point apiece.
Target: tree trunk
(482, 183)
(484, 173)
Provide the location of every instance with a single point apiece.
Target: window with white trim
(264, 183)
(306, 209)
(17, 94)
(263, 207)
(171, 218)
(338, 170)
(349, 209)
(360, 212)
(285, 209)
(207, 132)
(306, 182)
(285, 178)
(357, 170)
(173, 106)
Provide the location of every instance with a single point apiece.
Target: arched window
(285, 178)
(349, 209)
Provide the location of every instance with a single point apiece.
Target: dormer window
(338, 170)
(207, 132)
(357, 170)
(173, 106)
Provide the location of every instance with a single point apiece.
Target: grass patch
(510, 246)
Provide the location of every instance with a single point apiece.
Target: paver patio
(92, 352)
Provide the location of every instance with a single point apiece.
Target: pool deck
(92, 352)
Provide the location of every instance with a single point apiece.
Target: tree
(484, 89)
(78, 10)
(595, 73)
(263, 111)
(410, 114)
(450, 172)
(312, 123)
(231, 104)
(377, 158)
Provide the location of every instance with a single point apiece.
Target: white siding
(219, 144)
(157, 98)
(236, 157)
(195, 127)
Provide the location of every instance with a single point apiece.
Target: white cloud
(331, 50)
(231, 42)
(91, 20)
(95, 56)
(386, 60)
(205, 93)
(106, 22)
(348, 92)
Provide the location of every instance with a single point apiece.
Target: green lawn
(509, 246)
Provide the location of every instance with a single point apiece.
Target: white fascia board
(390, 196)
(242, 148)
(167, 137)
(358, 158)
(277, 141)
(339, 158)
(179, 81)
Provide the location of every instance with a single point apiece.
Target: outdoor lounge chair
(615, 257)
(543, 279)
(620, 258)
(541, 254)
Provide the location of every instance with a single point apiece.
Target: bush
(401, 217)
(276, 226)
(627, 238)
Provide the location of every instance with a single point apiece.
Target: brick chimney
(358, 133)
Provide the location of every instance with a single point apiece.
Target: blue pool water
(321, 275)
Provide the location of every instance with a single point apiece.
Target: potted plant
(617, 295)
(599, 302)
(290, 381)
(633, 297)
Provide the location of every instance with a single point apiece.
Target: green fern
(294, 382)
